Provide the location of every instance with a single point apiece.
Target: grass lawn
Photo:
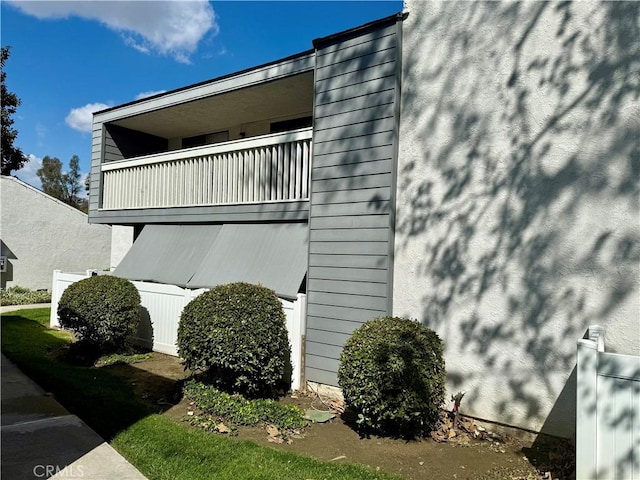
(159, 447)
(101, 399)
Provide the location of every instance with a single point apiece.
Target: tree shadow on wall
(523, 199)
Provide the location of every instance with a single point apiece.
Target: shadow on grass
(104, 398)
(109, 400)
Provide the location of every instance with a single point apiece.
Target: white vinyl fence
(161, 306)
(608, 411)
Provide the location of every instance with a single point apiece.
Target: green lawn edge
(152, 444)
(157, 446)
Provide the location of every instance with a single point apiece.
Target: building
(474, 166)
(40, 234)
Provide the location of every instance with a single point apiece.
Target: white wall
(518, 216)
(121, 242)
(40, 234)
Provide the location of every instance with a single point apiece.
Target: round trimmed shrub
(392, 377)
(236, 334)
(103, 312)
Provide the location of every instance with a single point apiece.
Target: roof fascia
(360, 30)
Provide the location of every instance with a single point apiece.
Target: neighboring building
(41, 234)
(474, 166)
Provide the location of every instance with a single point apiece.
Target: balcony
(264, 169)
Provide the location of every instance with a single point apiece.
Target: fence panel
(296, 313)
(608, 411)
(61, 280)
(161, 306)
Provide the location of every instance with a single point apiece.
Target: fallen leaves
(272, 431)
(222, 428)
(336, 406)
(465, 431)
(281, 436)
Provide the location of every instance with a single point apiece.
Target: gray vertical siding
(103, 149)
(98, 142)
(352, 185)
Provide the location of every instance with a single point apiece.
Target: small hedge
(237, 334)
(23, 296)
(103, 312)
(392, 376)
(237, 410)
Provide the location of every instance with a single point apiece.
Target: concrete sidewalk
(40, 439)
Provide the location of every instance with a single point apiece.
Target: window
(196, 141)
(293, 124)
(199, 140)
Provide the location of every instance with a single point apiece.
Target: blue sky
(69, 58)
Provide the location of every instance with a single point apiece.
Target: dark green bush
(392, 376)
(103, 312)
(237, 334)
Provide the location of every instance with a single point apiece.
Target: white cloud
(28, 172)
(81, 118)
(172, 28)
(132, 43)
(151, 93)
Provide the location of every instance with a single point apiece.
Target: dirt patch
(423, 459)
(158, 382)
(415, 459)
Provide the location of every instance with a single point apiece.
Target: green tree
(65, 186)
(72, 178)
(12, 156)
(87, 188)
(51, 177)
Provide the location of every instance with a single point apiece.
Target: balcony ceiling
(280, 98)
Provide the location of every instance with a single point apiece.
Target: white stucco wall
(518, 216)
(40, 234)
(121, 242)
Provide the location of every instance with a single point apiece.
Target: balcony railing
(270, 168)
